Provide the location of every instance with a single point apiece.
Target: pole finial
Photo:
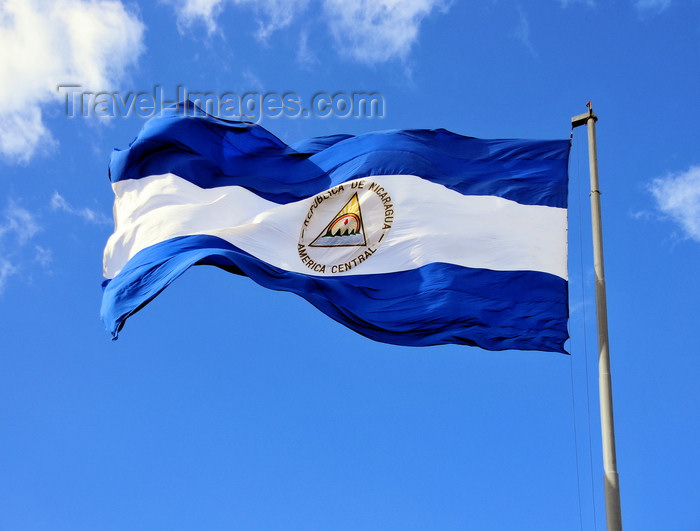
(582, 119)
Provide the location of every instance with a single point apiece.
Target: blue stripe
(435, 304)
(212, 152)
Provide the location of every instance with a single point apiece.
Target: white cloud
(678, 197)
(566, 3)
(18, 242)
(46, 43)
(271, 15)
(17, 227)
(43, 255)
(22, 133)
(251, 81)
(89, 215)
(368, 31)
(306, 58)
(374, 31)
(641, 5)
(190, 12)
(652, 5)
(19, 223)
(522, 31)
(6, 271)
(274, 14)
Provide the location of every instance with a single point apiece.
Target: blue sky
(227, 406)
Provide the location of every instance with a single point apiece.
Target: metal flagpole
(612, 487)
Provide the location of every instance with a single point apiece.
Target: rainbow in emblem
(345, 229)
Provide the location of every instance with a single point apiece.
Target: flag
(409, 237)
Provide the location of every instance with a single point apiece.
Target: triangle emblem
(345, 229)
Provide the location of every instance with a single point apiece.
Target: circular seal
(345, 226)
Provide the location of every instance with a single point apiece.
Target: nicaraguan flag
(417, 237)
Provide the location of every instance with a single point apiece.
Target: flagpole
(612, 487)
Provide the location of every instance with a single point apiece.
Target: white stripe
(431, 224)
